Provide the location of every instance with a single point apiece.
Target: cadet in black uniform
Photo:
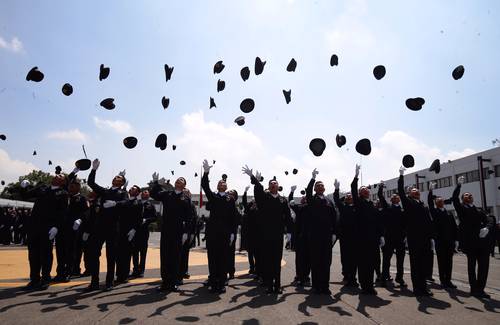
(474, 225)
(321, 234)
(348, 225)
(77, 213)
(176, 214)
(369, 235)
(105, 229)
(446, 237)
(420, 235)
(186, 247)
(130, 212)
(231, 266)
(274, 219)
(250, 232)
(394, 224)
(301, 241)
(219, 231)
(140, 247)
(47, 218)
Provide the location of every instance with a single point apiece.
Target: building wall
(447, 180)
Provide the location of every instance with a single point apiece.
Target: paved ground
(244, 302)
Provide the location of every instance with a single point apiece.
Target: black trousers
(478, 257)
(61, 259)
(170, 255)
(82, 249)
(302, 258)
(429, 262)
(348, 258)
(124, 254)
(419, 257)
(66, 251)
(140, 250)
(39, 256)
(378, 264)
(367, 259)
(231, 267)
(184, 260)
(103, 234)
(272, 252)
(388, 250)
(321, 260)
(251, 246)
(217, 252)
(444, 252)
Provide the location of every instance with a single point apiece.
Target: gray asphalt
(246, 303)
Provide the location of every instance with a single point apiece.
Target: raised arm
(157, 192)
(401, 188)
(381, 197)
(456, 201)
(430, 199)
(309, 188)
(91, 179)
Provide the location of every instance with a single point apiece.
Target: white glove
(131, 234)
(247, 188)
(402, 170)
(143, 221)
(314, 173)
(456, 245)
(358, 167)
(231, 239)
(125, 185)
(461, 180)
(247, 171)
(95, 164)
(293, 188)
(336, 184)
(76, 170)
(206, 166)
(382, 242)
(184, 238)
(108, 204)
(191, 238)
(406, 241)
(155, 176)
(288, 237)
(122, 173)
(77, 224)
(258, 175)
(433, 244)
(85, 236)
(52, 233)
(432, 186)
(483, 232)
(25, 183)
(334, 238)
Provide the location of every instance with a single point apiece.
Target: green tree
(12, 190)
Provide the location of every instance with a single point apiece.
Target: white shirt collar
(222, 193)
(114, 187)
(396, 205)
(177, 192)
(52, 187)
(274, 195)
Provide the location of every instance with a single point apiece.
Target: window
(441, 182)
(421, 187)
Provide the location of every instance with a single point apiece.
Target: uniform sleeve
(205, 185)
(91, 182)
(430, 202)
(381, 197)
(258, 191)
(354, 191)
(456, 202)
(309, 191)
(158, 193)
(401, 191)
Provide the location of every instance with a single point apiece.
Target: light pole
(417, 178)
(480, 161)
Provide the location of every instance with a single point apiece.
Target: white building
(446, 180)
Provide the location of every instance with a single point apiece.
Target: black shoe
(86, 273)
(352, 284)
(207, 283)
(251, 271)
(423, 293)
(60, 278)
(451, 285)
(32, 285)
(277, 290)
(269, 290)
(134, 274)
(383, 284)
(299, 283)
(231, 276)
(431, 279)
(401, 282)
(186, 276)
(369, 291)
(109, 286)
(163, 288)
(173, 288)
(121, 281)
(221, 290)
(76, 274)
(326, 291)
(448, 285)
(481, 295)
(91, 287)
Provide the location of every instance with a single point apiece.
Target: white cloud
(232, 147)
(12, 169)
(71, 135)
(15, 45)
(118, 126)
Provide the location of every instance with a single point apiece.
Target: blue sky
(419, 42)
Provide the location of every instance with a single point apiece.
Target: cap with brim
(408, 161)
(67, 89)
(212, 102)
(245, 73)
(458, 72)
(435, 166)
(83, 164)
(288, 95)
(3, 137)
(340, 140)
(259, 66)
(334, 60)
(292, 65)
(103, 72)
(240, 120)
(108, 103)
(130, 142)
(218, 67)
(247, 105)
(364, 147)
(379, 72)
(317, 146)
(221, 84)
(168, 72)
(415, 104)
(165, 102)
(295, 171)
(161, 141)
(34, 75)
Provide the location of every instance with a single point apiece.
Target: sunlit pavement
(244, 302)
